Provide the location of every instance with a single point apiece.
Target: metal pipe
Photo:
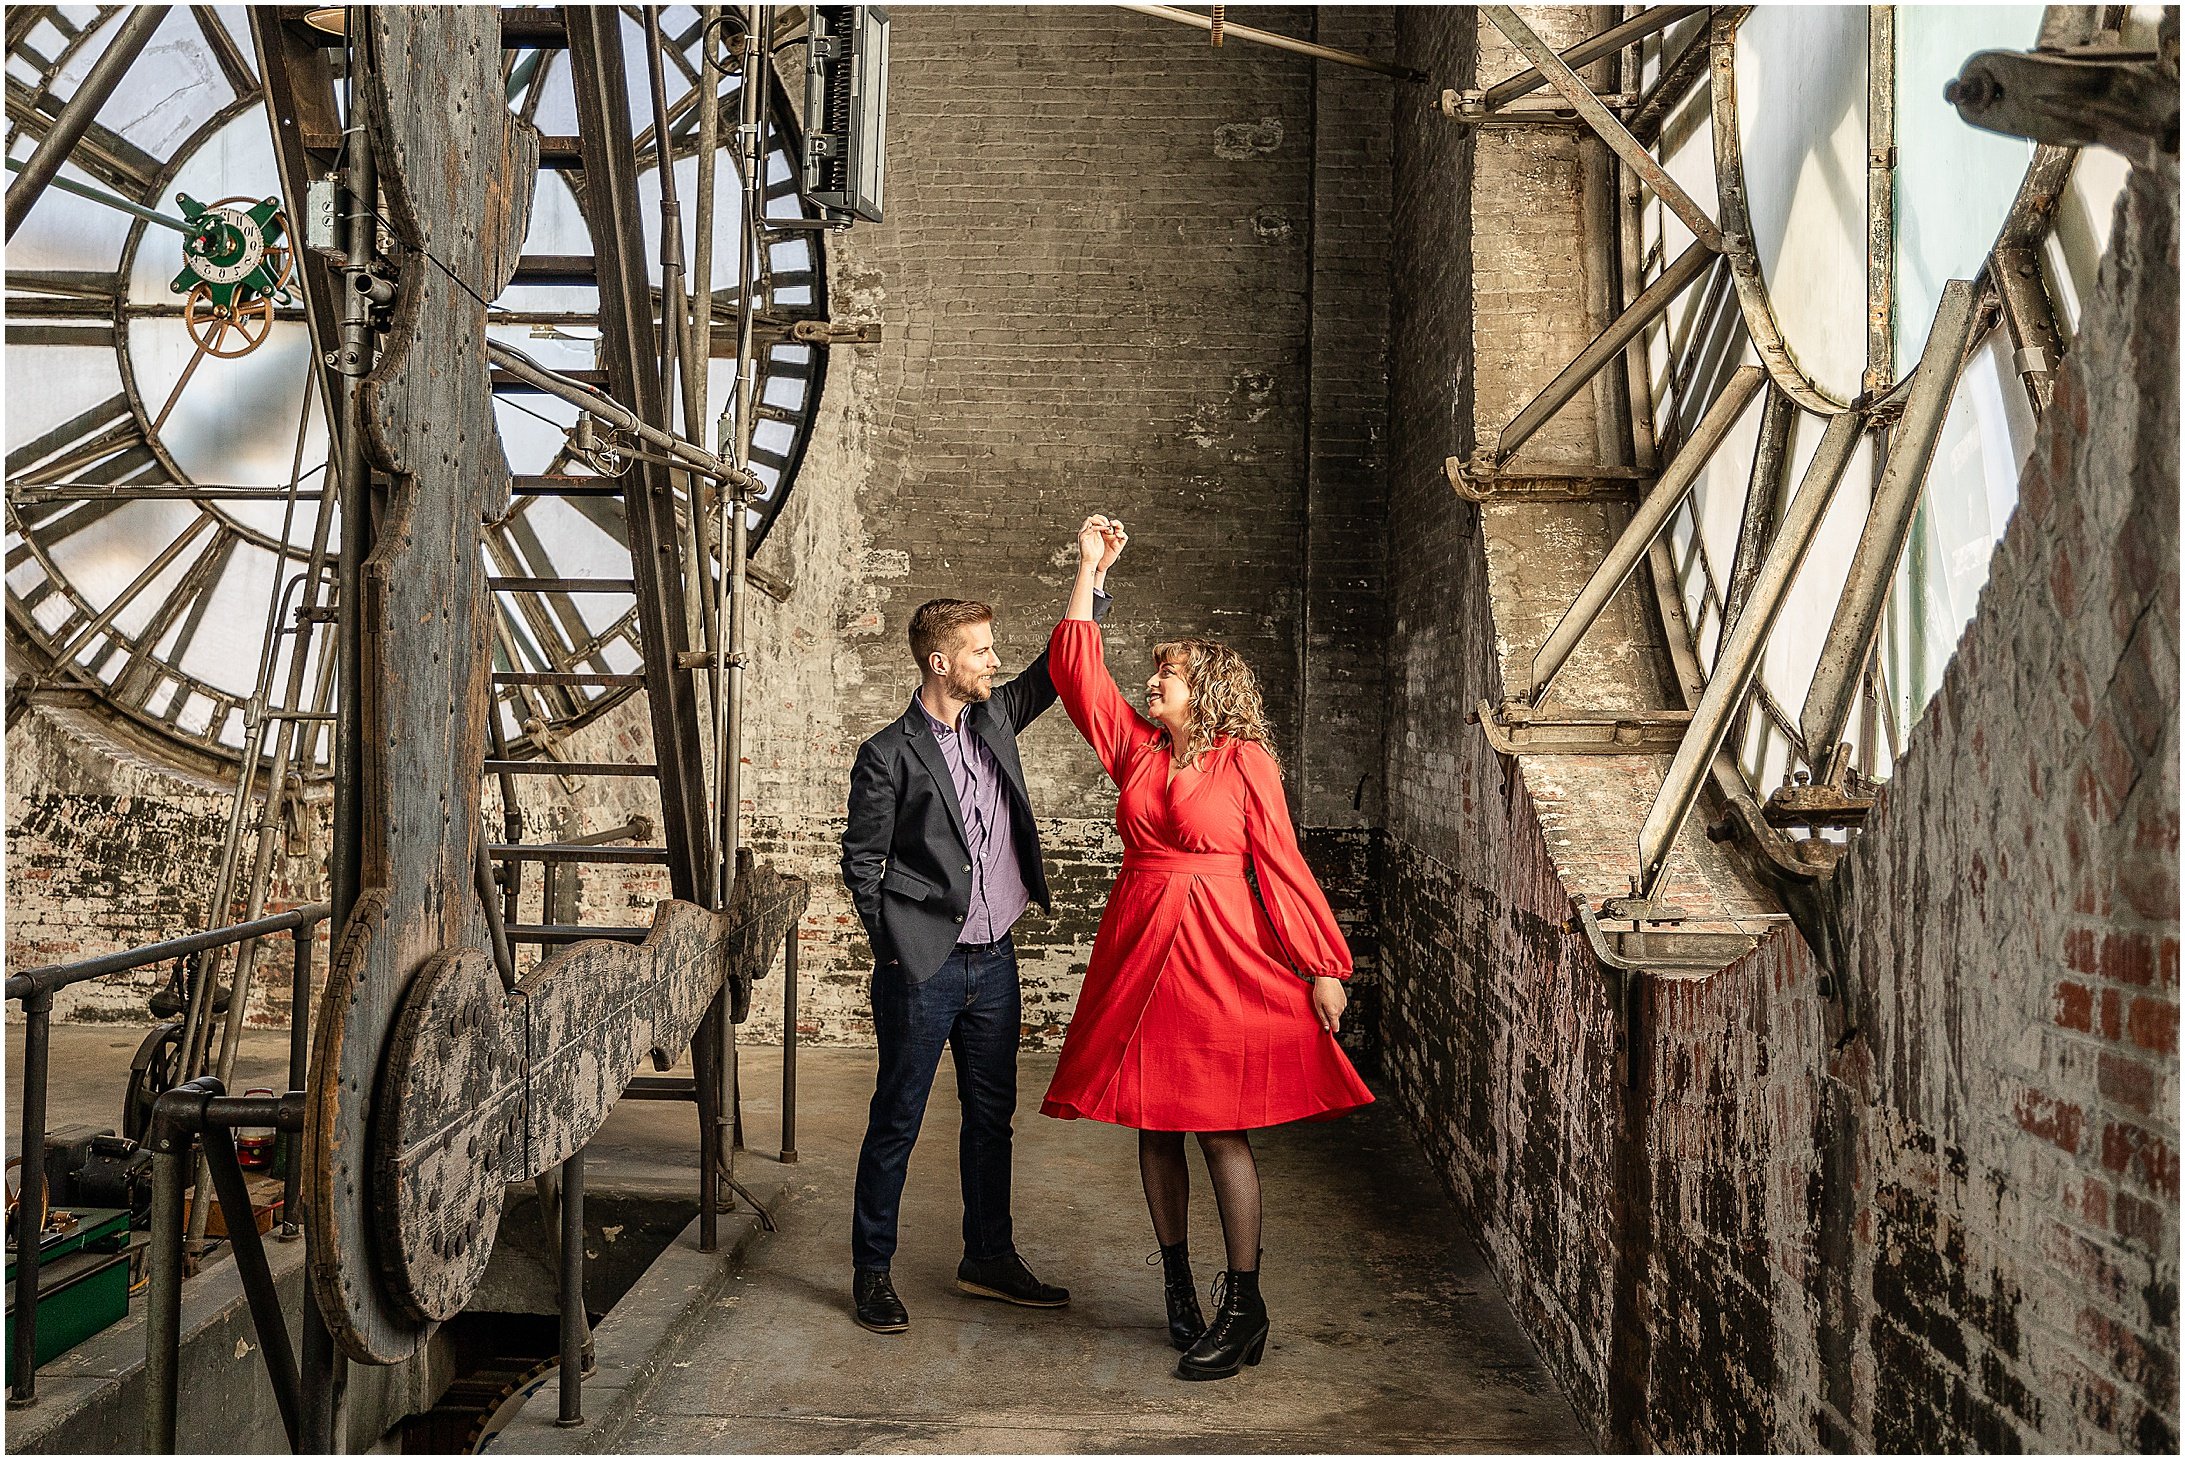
(1653, 514)
(62, 975)
(1850, 641)
(573, 1315)
(1739, 660)
(347, 853)
(1557, 393)
(256, 1276)
(1280, 42)
(163, 1296)
(613, 412)
(324, 1370)
(504, 957)
(83, 105)
(299, 1065)
(1596, 115)
(1593, 48)
(789, 1048)
(30, 1212)
(2037, 345)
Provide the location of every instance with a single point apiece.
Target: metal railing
(35, 990)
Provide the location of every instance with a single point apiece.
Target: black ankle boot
(1236, 1337)
(1185, 1321)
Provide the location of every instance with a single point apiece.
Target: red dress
(1191, 1017)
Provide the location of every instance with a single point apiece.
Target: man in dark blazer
(941, 855)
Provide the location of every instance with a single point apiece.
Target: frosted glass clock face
(124, 396)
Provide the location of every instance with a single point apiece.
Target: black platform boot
(1185, 1321)
(1237, 1336)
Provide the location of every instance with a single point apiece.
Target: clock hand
(112, 200)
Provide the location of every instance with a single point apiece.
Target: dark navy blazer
(905, 858)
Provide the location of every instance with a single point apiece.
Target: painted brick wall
(1928, 1202)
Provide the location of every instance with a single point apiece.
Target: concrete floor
(1389, 1334)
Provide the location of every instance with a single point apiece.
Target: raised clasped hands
(1100, 541)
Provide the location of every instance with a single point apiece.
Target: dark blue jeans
(974, 1006)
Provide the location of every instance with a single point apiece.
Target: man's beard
(971, 689)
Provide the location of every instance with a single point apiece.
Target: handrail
(36, 989)
(62, 975)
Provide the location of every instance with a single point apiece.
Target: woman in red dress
(1206, 1009)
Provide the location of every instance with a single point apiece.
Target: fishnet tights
(1230, 1166)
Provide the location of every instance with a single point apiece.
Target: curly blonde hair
(1225, 698)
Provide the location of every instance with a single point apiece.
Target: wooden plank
(486, 1087)
(458, 172)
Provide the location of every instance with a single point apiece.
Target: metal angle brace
(1604, 122)
(1514, 729)
(1480, 481)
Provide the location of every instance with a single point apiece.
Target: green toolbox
(83, 1281)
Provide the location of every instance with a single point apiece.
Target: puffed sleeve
(1095, 705)
(1295, 904)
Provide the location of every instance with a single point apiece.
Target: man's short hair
(936, 626)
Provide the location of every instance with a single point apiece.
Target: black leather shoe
(1007, 1278)
(1185, 1321)
(877, 1306)
(1236, 1337)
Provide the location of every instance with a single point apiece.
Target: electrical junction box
(845, 111)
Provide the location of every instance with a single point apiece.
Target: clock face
(139, 417)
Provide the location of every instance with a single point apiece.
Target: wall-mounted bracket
(1481, 480)
(1516, 728)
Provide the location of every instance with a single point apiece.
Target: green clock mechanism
(235, 270)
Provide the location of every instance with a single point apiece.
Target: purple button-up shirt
(998, 894)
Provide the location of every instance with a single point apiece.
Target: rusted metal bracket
(1673, 951)
(835, 332)
(1471, 108)
(1482, 480)
(2101, 95)
(1517, 729)
(1800, 802)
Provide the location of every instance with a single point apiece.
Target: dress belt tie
(1197, 864)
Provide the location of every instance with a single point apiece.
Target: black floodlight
(846, 110)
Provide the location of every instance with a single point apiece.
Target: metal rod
(2037, 344)
(257, 1278)
(789, 1048)
(1850, 640)
(299, 1065)
(1739, 660)
(1881, 198)
(1655, 510)
(30, 1211)
(347, 853)
(122, 205)
(1670, 87)
(1763, 500)
(574, 1318)
(324, 1368)
(1656, 298)
(489, 898)
(1593, 48)
(83, 105)
(1280, 42)
(62, 975)
(1596, 115)
(680, 453)
(163, 1262)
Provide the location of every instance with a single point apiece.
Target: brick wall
(1927, 1201)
